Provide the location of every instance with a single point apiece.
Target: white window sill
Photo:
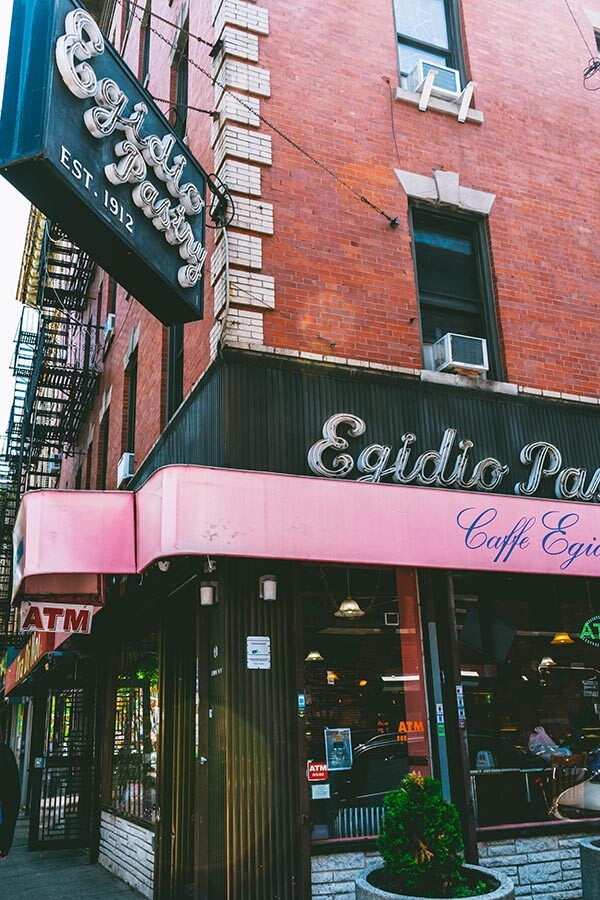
(481, 384)
(438, 105)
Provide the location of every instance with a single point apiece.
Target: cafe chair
(565, 772)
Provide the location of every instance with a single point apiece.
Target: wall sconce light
(209, 593)
(163, 565)
(313, 656)
(267, 587)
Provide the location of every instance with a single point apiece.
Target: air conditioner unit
(109, 328)
(125, 469)
(460, 353)
(54, 462)
(445, 84)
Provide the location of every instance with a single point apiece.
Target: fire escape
(55, 367)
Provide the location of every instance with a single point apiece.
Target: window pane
(446, 263)
(409, 57)
(133, 785)
(366, 715)
(533, 731)
(422, 20)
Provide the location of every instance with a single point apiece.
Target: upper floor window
(174, 368)
(131, 402)
(180, 82)
(428, 30)
(454, 281)
(145, 33)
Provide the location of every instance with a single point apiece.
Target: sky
(13, 224)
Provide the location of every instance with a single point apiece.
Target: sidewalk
(56, 875)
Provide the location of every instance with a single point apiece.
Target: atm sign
(317, 771)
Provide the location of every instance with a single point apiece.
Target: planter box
(504, 891)
(589, 853)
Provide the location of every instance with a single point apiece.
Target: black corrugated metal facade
(252, 413)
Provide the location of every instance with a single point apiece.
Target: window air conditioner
(125, 469)
(446, 82)
(54, 462)
(460, 353)
(109, 328)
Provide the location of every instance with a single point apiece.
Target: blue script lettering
(477, 536)
(556, 543)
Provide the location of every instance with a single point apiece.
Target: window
(454, 281)
(174, 368)
(88, 467)
(132, 788)
(180, 82)
(112, 296)
(145, 34)
(365, 720)
(430, 30)
(103, 452)
(130, 402)
(532, 697)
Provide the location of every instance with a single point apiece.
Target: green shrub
(421, 842)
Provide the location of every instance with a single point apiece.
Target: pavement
(56, 875)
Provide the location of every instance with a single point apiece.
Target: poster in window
(338, 748)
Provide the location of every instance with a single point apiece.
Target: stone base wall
(546, 868)
(127, 850)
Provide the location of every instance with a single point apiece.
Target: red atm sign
(317, 771)
(54, 617)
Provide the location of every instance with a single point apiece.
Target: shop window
(364, 705)
(428, 30)
(180, 81)
(532, 697)
(132, 788)
(174, 368)
(454, 282)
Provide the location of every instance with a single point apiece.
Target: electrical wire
(393, 220)
(593, 66)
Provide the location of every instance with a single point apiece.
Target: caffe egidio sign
(453, 464)
(88, 146)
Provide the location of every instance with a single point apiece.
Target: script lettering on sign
(451, 465)
(171, 203)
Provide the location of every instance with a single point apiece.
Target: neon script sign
(453, 464)
(136, 154)
(88, 146)
(590, 632)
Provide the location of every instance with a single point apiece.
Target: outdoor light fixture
(267, 587)
(314, 656)
(208, 593)
(349, 609)
(562, 637)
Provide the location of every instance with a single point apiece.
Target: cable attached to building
(393, 220)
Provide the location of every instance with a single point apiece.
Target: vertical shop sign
(90, 148)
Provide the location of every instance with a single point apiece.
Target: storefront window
(364, 704)
(133, 777)
(532, 698)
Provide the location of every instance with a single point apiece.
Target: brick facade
(127, 850)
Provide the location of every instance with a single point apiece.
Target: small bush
(421, 843)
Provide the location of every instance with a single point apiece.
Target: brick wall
(545, 868)
(127, 850)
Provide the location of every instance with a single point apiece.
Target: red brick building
(403, 264)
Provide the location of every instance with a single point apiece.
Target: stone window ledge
(436, 104)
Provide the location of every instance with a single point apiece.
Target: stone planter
(504, 891)
(589, 853)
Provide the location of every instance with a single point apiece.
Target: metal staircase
(56, 368)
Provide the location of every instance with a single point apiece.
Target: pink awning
(192, 510)
(64, 540)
